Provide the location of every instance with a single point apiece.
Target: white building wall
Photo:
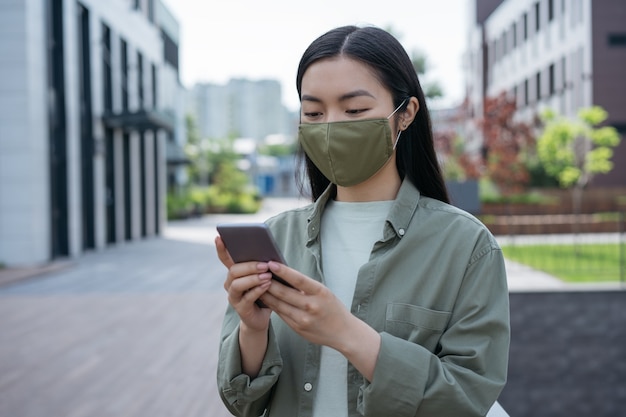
(141, 37)
(25, 219)
(24, 189)
(97, 107)
(567, 36)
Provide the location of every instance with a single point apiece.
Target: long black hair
(415, 156)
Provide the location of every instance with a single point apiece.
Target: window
(107, 84)
(525, 26)
(124, 64)
(151, 11)
(140, 94)
(550, 10)
(537, 17)
(563, 74)
(170, 50)
(495, 51)
(538, 87)
(551, 81)
(154, 86)
(617, 40)
(514, 35)
(526, 101)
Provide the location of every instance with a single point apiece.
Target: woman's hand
(245, 283)
(317, 315)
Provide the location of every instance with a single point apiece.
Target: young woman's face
(339, 88)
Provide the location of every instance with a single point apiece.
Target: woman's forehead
(340, 76)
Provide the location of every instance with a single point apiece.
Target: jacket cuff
(237, 386)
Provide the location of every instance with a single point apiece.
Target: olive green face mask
(348, 152)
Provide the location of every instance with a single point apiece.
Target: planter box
(550, 224)
(595, 200)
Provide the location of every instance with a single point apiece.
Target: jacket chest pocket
(416, 324)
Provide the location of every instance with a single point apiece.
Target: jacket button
(401, 232)
(308, 387)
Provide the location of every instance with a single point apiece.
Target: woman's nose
(334, 116)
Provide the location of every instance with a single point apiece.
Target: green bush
(178, 206)
(206, 200)
(488, 193)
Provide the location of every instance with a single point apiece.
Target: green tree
(278, 150)
(230, 180)
(198, 169)
(219, 152)
(574, 151)
(432, 88)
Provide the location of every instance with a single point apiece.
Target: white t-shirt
(348, 232)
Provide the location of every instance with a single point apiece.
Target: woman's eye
(355, 111)
(312, 114)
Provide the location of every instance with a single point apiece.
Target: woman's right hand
(245, 283)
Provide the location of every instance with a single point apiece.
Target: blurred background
(129, 128)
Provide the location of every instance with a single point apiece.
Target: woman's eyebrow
(344, 97)
(356, 93)
(307, 97)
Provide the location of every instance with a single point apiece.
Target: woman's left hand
(317, 315)
(310, 309)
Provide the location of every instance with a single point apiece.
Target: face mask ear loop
(397, 138)
(397, 108)
(399, 131)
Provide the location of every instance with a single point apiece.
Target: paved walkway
(131, 330)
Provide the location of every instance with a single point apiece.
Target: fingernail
(274, 266)
(261, 266)
(265, 276)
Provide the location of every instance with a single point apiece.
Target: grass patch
(571, 263)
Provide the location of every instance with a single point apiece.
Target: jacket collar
(398, 219)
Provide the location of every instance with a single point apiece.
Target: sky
(254, 39)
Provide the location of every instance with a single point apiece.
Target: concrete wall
(567, 354)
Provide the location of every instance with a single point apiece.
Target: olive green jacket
(434, 287)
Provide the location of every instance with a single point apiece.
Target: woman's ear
(407, 117)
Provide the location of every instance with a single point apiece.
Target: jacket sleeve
(468, 371)
(241, 395)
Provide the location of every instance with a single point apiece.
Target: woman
(400, 303)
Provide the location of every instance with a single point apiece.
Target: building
(88, 99)
(241, 108)
(561, 54)
(252, 114)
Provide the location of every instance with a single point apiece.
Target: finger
(244, 269)
(222, 253)
(240, 287)
(295, 278)
(247, 294)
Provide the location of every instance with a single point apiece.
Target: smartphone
(251, 242)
